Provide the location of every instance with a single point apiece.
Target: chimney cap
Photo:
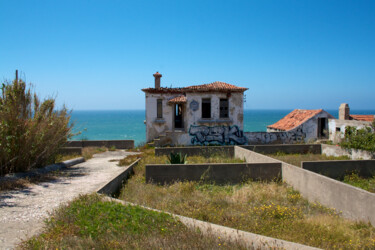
(157, 74)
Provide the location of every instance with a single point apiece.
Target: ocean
(128, 124)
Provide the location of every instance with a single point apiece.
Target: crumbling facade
(337, 127)
(195, 115)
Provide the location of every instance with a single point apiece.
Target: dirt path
(22, 211)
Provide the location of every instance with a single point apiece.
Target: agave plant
(176, 158)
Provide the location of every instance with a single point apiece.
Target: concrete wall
(336, 124)
(119, 144)
(286, 148)
(70, 150)
(219, 173)
(354, 203)
(338, 169)
(354, 154)
(227, 151)
(113, 187)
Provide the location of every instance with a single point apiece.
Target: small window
(206, 108)
(159, 108)
(338, 129)
(223, 108)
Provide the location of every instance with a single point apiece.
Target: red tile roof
(367, 118)
(294, 119)
(215, 86)
(178, 99)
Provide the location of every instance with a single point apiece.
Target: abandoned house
(337, 126)
(195, 115)
(309, 125)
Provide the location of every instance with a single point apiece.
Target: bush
(359, 138)
(176, 158)
(31, 131)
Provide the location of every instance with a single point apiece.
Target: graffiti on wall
(296, 135)
(223, 135)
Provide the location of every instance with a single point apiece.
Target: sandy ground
(22, 212)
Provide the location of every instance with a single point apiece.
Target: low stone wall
(203, 151)
(113, 187)
(355, 154)
(338, 169)
(70, 150)
(119, 144)
(354, 203)
(218, 173)
(286, 148)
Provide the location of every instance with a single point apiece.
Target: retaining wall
(218, 173)
(286, 148)
(354, 203)
(70, 150)
(332, 150)
(113, 187)
(203, 151)
(119, 144)
(338, 169)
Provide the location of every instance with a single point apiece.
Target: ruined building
(195, 115)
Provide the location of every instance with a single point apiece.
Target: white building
(195, 115)
(302, 124)
(337, 127)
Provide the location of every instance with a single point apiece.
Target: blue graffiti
(223, 135)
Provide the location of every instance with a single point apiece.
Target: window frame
(224, 111)
(159, 105)
(206, 108)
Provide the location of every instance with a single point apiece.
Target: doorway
(322, 128)
(178, 118)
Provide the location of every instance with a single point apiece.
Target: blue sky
(99, 54)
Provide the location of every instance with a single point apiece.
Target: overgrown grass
(271, 209)
(89, 223)
(367, 184)
(297, 159)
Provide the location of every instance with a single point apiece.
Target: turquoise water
(128, 124)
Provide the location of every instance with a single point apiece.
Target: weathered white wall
(154, 126)
(337, 136)
(235, 110)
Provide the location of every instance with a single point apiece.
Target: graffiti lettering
(203, 135)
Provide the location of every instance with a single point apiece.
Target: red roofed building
(337, 127)
(200, 114)
(313, 124)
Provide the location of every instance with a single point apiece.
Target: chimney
(157, 76)
(344, 111)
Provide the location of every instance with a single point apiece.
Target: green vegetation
(272, 209)
(367, 184)
(360, 138)
(89, 223)
(129, 160)
(31, 131)
(176, 158)
(297, 159)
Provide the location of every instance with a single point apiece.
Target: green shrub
(176, 158)
(31, 131)
(359, 138)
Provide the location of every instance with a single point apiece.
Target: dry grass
(297, 159)
(88, 152)
(271, 209)
(89, 223)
